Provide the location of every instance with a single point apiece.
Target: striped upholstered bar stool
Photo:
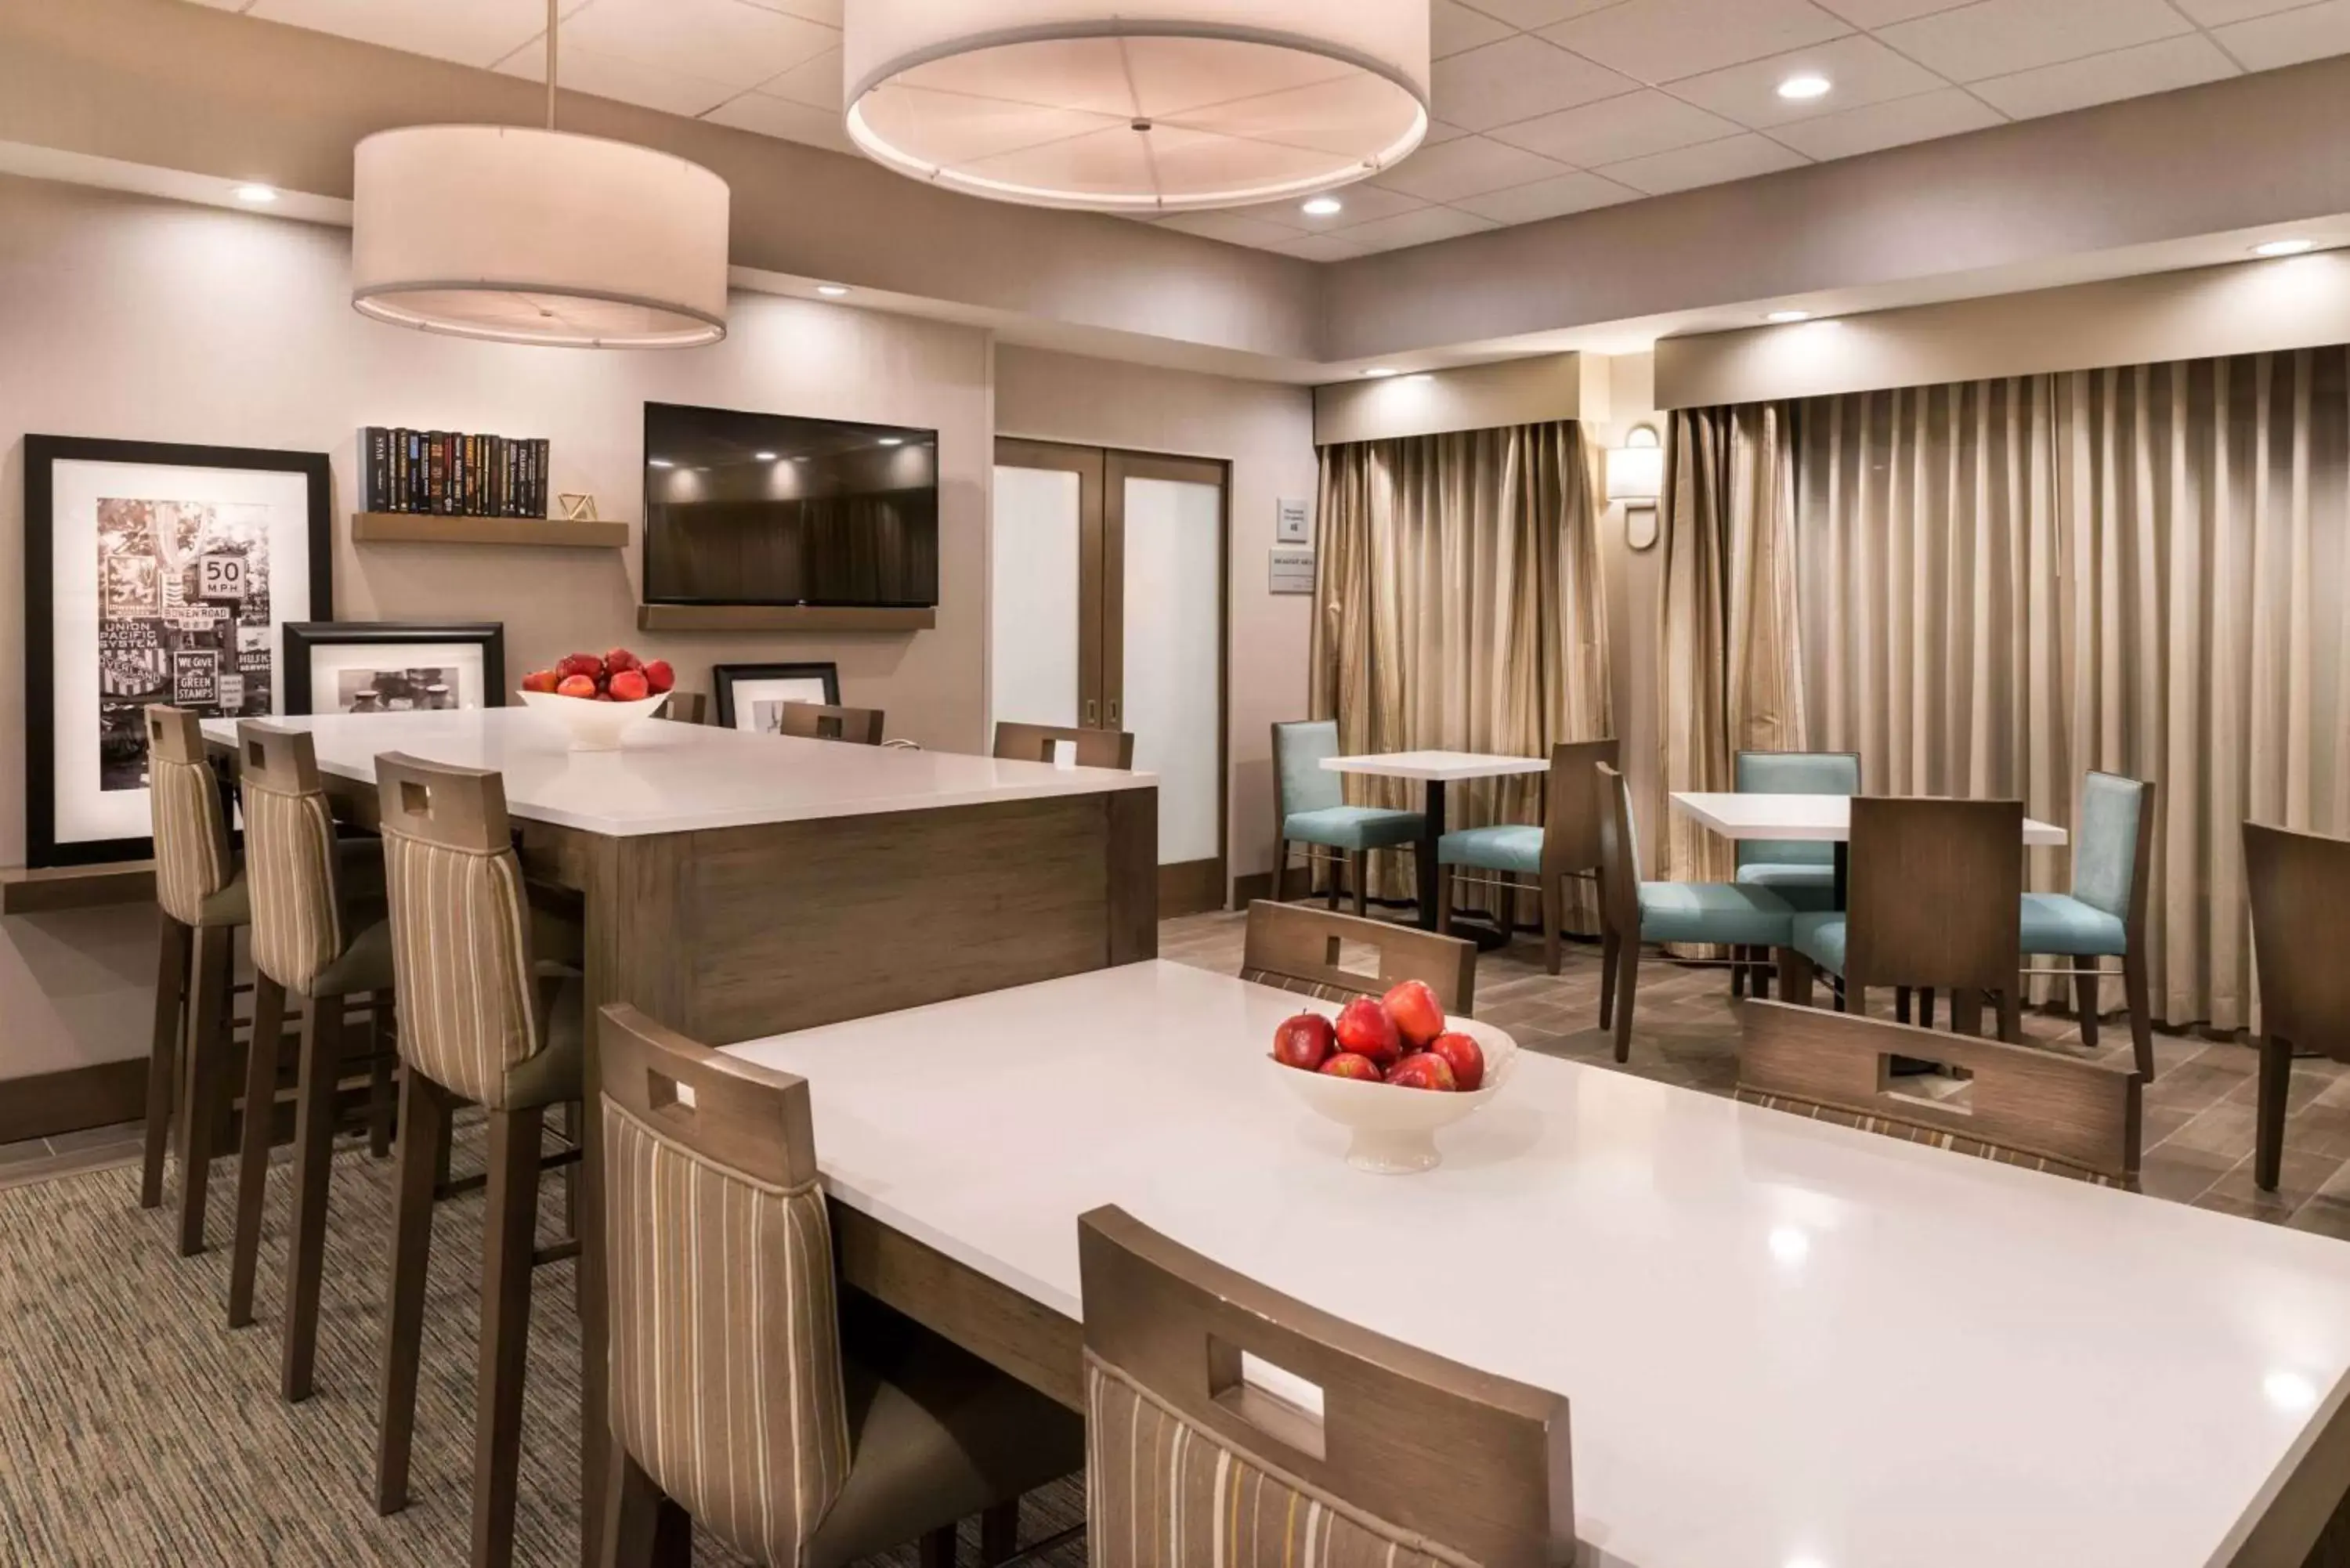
(201, 889)
(319, 940)
(479, 1020)
(848, 1430)
(1186, 1446)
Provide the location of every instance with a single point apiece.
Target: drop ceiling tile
(1439, 133)
(729, 41)
(1357, 203)
(472, 32)
(1615, 128)
(1884, 13)
(1664, 40)
(1533, 14)
(1453, 28)
(1708, 163)
(2291, 36)
(1319, 247)
(1553, 198)
(825, 11)
(630, 80)
(1998, 37)
(2219, 12)
(816, 84)
(2101, 78)
(1469, 166)
(1515, 79)
(1861, 71)
(778, 117)
(1946, 112)
(1423, 227)
(1233, 228)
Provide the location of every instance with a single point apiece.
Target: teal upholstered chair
(1310, 808)
(1566, 845)
(1802, 872)
(1933, 898)
(1633, 911)
(2104, 915)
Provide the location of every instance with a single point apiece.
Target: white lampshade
(1169, 106)
(538, 236)
(1636, 470)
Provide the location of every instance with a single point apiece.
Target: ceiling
(1542, 108)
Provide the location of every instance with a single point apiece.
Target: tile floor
(2198, 1110)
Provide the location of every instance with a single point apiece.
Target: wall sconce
(1635, 477)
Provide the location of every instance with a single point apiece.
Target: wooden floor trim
(46, 1105)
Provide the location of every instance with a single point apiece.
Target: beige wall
(1267, 433)
(125, 317)
(1634, 580)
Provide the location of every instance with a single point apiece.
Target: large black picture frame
(724, 678)
(42, 718)
(303, 637)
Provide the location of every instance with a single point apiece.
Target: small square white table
(1809, 819)
(1435, 769)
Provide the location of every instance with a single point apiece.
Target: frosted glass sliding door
(1033, 670)
(1171, 656)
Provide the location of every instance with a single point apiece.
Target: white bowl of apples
(596, 700)
(1391, 1071)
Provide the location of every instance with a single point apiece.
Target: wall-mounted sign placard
(1293, 570)
(1295, 526)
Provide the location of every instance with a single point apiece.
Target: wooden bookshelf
(437, 528)
(782, 618)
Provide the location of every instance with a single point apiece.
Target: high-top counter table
(740, 885)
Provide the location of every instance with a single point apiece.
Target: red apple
(1304, 1041)
(1424, 1070)
(660, 675)
(629, 686)
(1417, 1016)
(1365, 1028)
(540, 680)
(576, 686)
(1463, 1055)
(620, 659)
(586, 664)
(1346, 1065)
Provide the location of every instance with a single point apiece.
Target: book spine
(511, 496)
(540, 499)
(371, 453)
(526, 463)
(468, 489)
(399, 470)
(411, 468)
(437, 481)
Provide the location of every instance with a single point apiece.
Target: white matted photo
(394, 667)
(752, 696)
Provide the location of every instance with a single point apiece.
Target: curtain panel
(1459, 609)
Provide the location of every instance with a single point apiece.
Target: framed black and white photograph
(394, 667)
(153, 573)
(752, 696)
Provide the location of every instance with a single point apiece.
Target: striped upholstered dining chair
(320, 940)
(2017, 1106)
(480, 1020)
(850, 1430)
(1185, 1445)
(1309, 808)
(201, 889)
(1566, 845)
(1293, 947)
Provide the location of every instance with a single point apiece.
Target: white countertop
(1442, 767)
(1782, 1343)
(683, 778)
(1817, 817)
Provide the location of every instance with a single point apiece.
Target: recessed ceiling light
(1783, 317)
(1423, 375)
(2283, 247)
(764, 456)
(658, 462)
(799, 457)
(1805, 85)
(1324, 206)
(257, 194)
(893, 441)
(832, 290)
(1379, 373)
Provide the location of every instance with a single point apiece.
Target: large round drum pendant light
(1138, 105)
(522, 235)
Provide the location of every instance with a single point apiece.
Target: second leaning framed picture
(394, 667)
(751, 695)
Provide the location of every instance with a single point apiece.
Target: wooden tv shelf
(781, 617)
(437, 528)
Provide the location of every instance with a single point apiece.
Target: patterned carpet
(135, 1429)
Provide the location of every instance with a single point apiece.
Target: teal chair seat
(1352, 826)
(1740, 915)
(1504, 846)
(2057, 923)
(1805, 887)
(1819, 936)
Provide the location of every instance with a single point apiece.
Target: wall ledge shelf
(439, 528)
(782, 618)
(24, 892)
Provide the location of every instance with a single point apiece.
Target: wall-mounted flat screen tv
(764, 509)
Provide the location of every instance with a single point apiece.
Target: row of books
(452, 473)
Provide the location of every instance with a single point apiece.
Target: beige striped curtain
(1461, 609)
(1730, 678)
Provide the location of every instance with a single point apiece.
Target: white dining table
(1805, 818)
(1783, 1343)
(1435, 769)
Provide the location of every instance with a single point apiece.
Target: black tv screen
(764, 509)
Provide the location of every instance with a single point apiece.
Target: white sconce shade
(1172, 106)
(1636, 470)
(521, 235)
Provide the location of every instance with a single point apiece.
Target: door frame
(1189, 886)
